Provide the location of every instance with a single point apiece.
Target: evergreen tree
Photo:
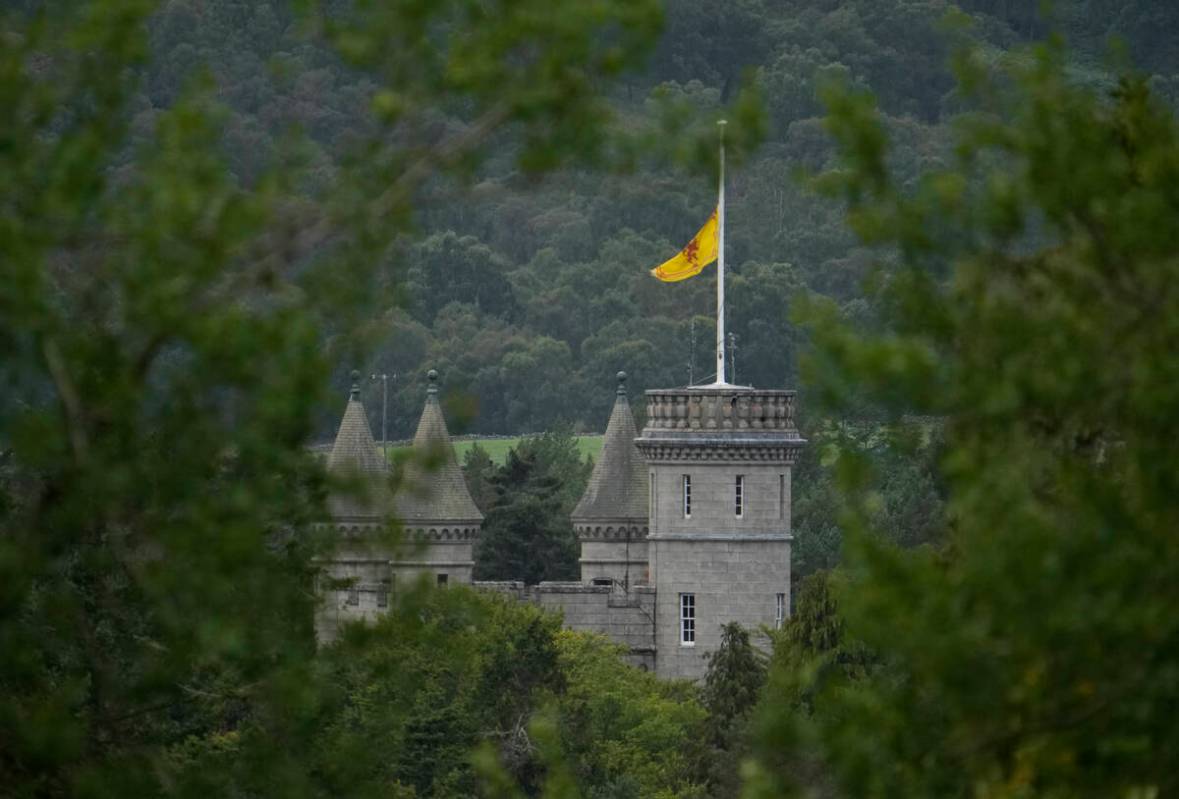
(527, 534)
(557, 455)
(478, 469)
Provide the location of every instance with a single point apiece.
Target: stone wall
(730, 580)
(353, 586)
(451, 558)
(625, 617)
(622, 562)
(765, 498)
(355, 582)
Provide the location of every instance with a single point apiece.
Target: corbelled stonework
(611, 530)
(676, 451)
(458, 533)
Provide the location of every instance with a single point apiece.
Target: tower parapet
(719, 464)
(723, 408)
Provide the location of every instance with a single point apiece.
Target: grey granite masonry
(719, 461)
(683, 528)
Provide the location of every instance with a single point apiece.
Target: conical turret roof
(434, 489)
(354, 455)
(617, 487)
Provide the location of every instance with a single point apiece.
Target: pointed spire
(617, 488)
(355, 450)
(436, 489)
(355, 453)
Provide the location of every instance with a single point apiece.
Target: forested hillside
(208, 206)
(528, 295)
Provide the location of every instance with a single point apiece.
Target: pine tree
(527, 534)
(477, 470)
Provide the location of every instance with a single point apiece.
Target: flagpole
(720, 265)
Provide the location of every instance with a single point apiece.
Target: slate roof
(617, 487)
(434, 488)
(355, 455)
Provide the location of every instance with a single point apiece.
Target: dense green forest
(952, 228)
(529, 294)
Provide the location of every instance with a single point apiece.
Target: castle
(683, 527)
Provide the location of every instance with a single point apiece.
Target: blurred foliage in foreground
(453, 694)
(162, 325)
(162, 321)
(1035, 654)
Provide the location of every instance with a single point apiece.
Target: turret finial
(355, 392)
(621, 384)
(432, 376)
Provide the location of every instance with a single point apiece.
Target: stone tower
(611, 518)
(355, 580)
(719, 460)
(440, 518)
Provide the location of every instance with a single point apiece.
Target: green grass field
(498, 448)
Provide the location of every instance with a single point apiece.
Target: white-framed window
(687, 619)
(383, 595)
(779, 611)
(687, 496)
(739, 495)
(353, 596)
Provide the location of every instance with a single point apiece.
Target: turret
(355, 456)
(355, 579)
(440, 518)
(611, 518)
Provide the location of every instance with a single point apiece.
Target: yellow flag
(699, 253)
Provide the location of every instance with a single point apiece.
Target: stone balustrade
(720, 409)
